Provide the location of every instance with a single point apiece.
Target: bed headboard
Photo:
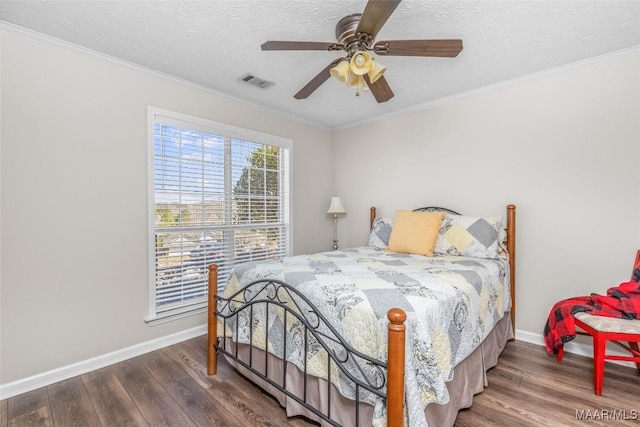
(436, 209)
(511, 246)
(424, 209)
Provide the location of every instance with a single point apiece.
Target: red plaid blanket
(621, 302)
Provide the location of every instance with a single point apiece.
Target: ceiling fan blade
(441, 48)
(375, 14)
(315, 82)
(380, 89)
(289, 45)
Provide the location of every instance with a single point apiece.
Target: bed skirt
(468, 380)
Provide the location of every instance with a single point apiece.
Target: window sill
(170, 316)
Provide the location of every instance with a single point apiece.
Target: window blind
(220, 195)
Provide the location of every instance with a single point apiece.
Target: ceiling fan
(355, 35)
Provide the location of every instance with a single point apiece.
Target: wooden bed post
(212, 332)
(372, 217)
(395, 367)
(511, 248)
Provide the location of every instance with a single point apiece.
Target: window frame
(158, 115)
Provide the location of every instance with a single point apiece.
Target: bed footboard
(212, 322)
(368, 375)
(395, 367)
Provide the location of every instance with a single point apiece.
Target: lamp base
(335, 231)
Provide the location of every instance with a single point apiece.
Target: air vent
(256, 81)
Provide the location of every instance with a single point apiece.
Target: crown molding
(634, 50)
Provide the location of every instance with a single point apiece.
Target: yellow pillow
(415, 232)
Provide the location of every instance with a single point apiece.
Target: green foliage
(165, 218)
(185, 216)
(256, 191)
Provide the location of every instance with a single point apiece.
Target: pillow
(415, 232)
(380, 233)
(470, 236)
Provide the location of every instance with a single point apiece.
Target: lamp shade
(356, 81)
(341, 71)
(336, 206)
(376, 71)
(361, 63)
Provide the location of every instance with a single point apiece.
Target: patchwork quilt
(452, 303)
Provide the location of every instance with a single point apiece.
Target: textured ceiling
(214, 43)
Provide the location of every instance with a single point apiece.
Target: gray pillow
(380, 233)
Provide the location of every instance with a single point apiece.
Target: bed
(375, 335)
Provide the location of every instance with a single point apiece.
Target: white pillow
(470, 236)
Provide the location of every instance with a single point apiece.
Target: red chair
(604, 329)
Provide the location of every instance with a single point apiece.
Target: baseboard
(46, 378)
(60, 374)
(573, 347)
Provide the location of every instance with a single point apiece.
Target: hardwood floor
(169, 387)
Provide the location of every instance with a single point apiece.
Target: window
(218, 194)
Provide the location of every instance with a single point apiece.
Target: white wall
(563, 146)
(74, 279)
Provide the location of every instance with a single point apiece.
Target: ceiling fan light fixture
(376, 71)
(361, 63)
(341, 71)
(356, 81)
